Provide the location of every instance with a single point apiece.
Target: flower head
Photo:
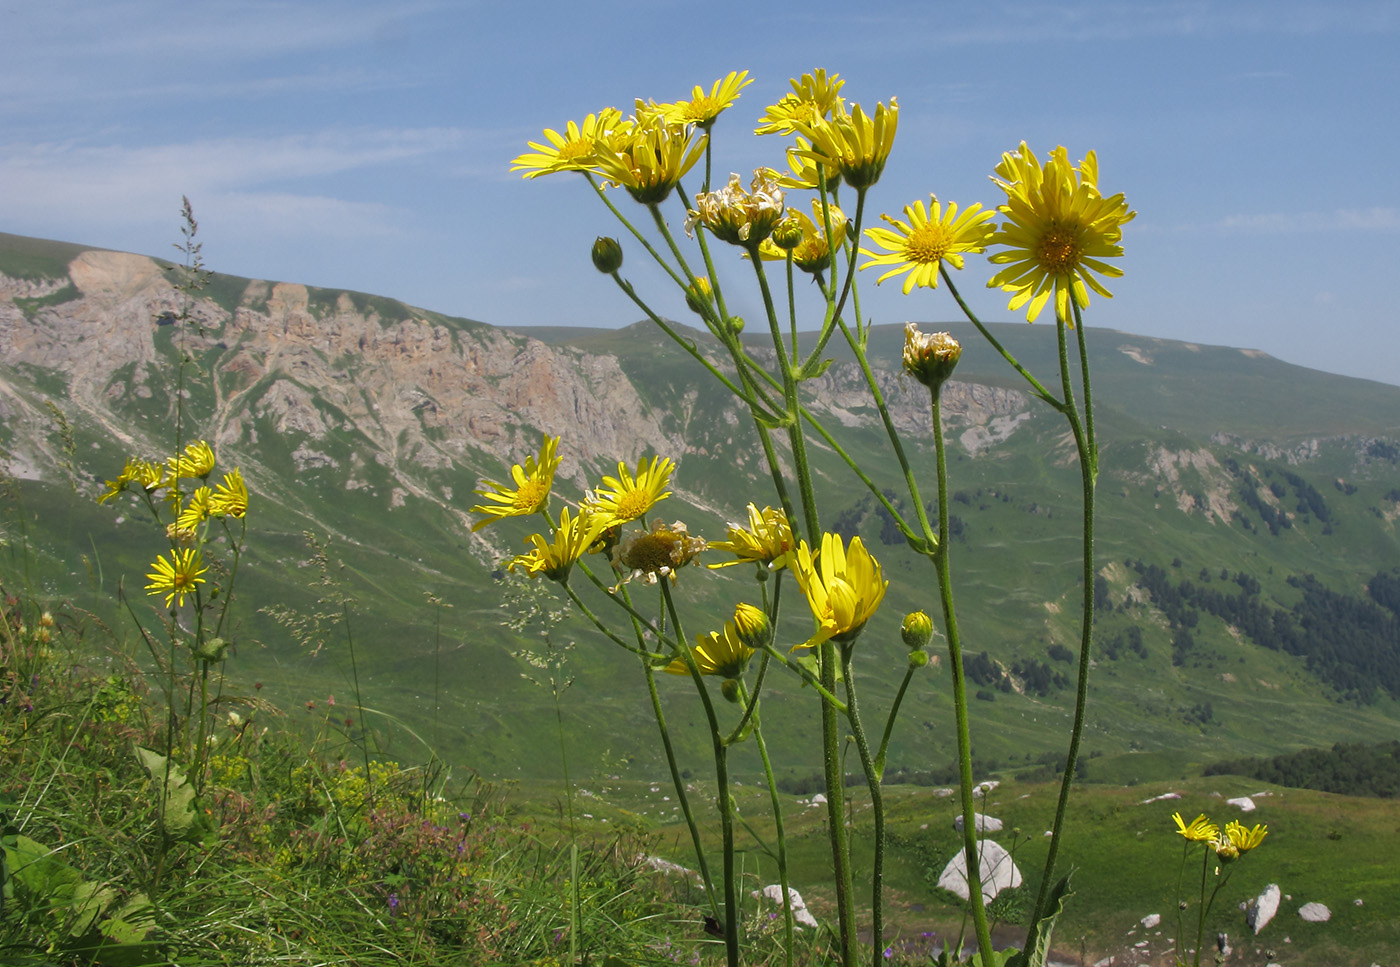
(916, 630)
(737, 216)
(857, 144)
(703, 109)
(196, 461)
(147, 473)
(814, 97)
(657, 553)
(627, 497)
(843, 587)
(230, 498)
(650, 158)
(766, 540)
(923, 243)
(930, 357)
(717, 653)
(1199, 830)
(197, 509)
(1243, 839)
(530, 493)
(813, 253)
(574, 150)
(1059, 228)
(554, 558)
(178, 576)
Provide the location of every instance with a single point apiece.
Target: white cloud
(1339, 220)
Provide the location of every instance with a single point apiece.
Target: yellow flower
(767, 540)
(178, 576)
(625, 497)
(147, 473)
(1199, 830)
(930, 357)
(717, 653)
(813, 253)
(922, 244)
(737, 216)
(843, 588)
(916, 630)
(650, 159)
(554, 558)
(657, 553)
(571, 151)
(814, 96)
(230, 498)
(702, 109)
(530, 493)
(807, 173)
(1059, 229)
(1243, 839)
(196, 511)
(196, 461)
(857, 144)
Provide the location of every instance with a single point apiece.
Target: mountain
(1247, 539)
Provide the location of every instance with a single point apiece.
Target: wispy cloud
(1338, 220)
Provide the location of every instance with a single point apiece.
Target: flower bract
(529, 495)
(928, 239)
(177, 576)
(1058, 231)
(843, 587)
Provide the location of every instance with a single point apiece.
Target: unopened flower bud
(729, 688)
(930, 357)
(917, 631)
(736, 324)
(699, 296)
(607, 255)
(918, 658)
(752, 626)
(787, 235)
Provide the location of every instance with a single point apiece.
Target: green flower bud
(930, 357)
(607, 255)
(752, 626)
(699, 296)
(787, 235)
(918, 658)
(917, 631)
(729, 688)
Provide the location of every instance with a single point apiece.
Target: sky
(365, 145)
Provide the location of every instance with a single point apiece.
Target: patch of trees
(869, 515)
(1356, 769)
(1038, 677)
(1349, 642)
(1127, 640)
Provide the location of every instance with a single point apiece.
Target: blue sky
(365, 145)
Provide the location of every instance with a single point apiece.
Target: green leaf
(177, 814)
(1038, 942)
(814, 369)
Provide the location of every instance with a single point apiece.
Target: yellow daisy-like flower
(147, 473)
(767, 540)
(657, 553)
(230, 498)
(571, 151)
(627, 497)
(814, 96)
(1199, 830)
(196, 462)
(807, 173)
(531, 491)
(737, 216)
(1059, 229)
(650, 159)
(856, 143)
(923, 243)
(555, 557)
(176, 577)
(720, 653)
(813, 253)
(703, 109)
(843, 587)
(1244, 839)
(196, 511)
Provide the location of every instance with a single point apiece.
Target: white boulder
(1315, 913)
(800, 913)
(994, 863)
(818, 799)
(985, 824)
(1151, 920)
(1263, 907)
(1244, 802)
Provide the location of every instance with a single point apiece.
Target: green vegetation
(1349, 769)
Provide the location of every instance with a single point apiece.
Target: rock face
(995, 865)
(985, 824)
(1315, 913)
(1263, 907)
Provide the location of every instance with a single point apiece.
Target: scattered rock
(800, 913)
(1315, 913)
(1165, 795)
(1263, 907)
(985, 824)
(818, 799)
(1151, 920)
(1244, 802)
(998, 871)
(1358, 901)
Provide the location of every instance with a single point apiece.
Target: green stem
(782, 838)
(835, 811)
(877, 806)
(945, 590)
(889, 722)
(1040, 390)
